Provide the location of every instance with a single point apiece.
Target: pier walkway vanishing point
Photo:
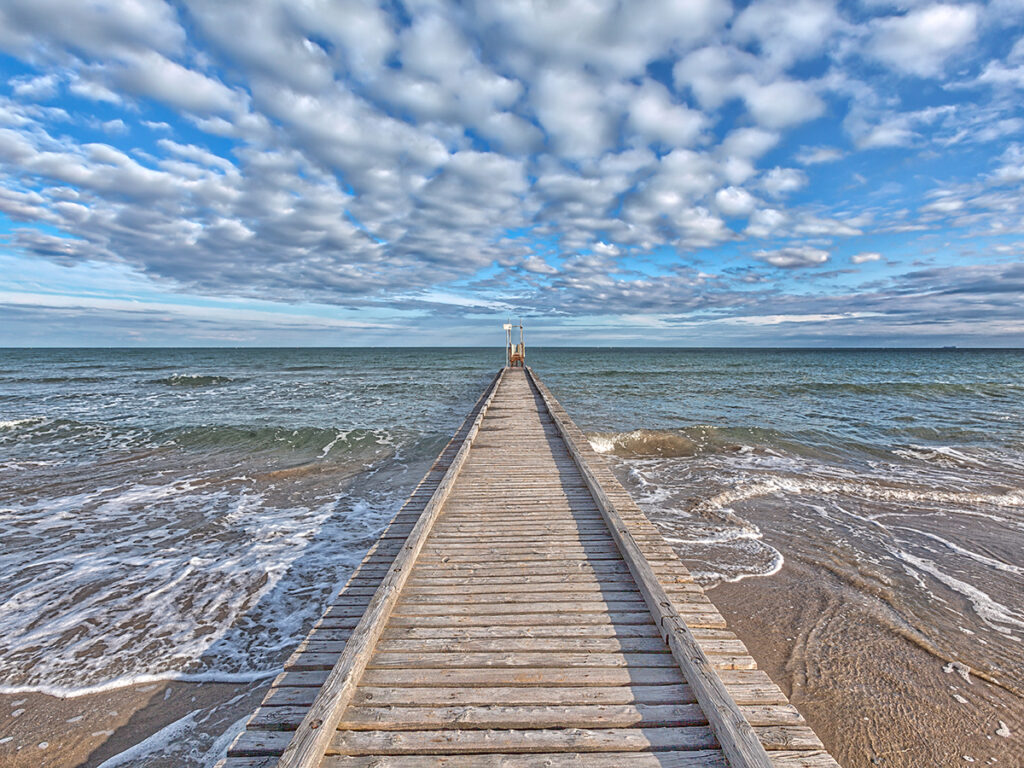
(520, 610)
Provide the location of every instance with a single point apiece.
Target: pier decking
(520, 610)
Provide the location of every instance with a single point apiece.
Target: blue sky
(268, 172)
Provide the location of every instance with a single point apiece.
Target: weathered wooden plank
(525, 619)
(363, 718)
(517, 645)
(424, 659)
(260, 743)
(450, 571)
(523, 676)
(570, 582)
(553, 631)
(567, 557)
(529, 696)
(761, 706)
(405, 608)
(787, 737)
(525, 716)
(803, 759)
(608, 594)
(663, 759)
(484, 578)
(454, 741)
(248, 762)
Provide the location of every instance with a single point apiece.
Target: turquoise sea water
(184, 513)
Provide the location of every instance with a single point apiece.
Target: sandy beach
(41, 731)
(874, 697)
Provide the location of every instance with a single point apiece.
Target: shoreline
(87, 731)
(872, 696)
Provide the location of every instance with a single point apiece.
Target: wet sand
(873, 696)
(85, 731)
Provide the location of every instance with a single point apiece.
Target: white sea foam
(127, 681)
(993, 613)
(719, 537)
(740, 571)
(342, 435)
(123, 585)
(158, 742)
(15, 423)
(999, 565)
(941, 454)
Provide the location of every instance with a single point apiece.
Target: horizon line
(852, 347)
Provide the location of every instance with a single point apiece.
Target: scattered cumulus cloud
(575, 157)
(920, 41)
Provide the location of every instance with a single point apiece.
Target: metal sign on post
(515, 354)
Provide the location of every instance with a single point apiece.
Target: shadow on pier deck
(520, 611)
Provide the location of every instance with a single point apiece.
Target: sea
(183, 514)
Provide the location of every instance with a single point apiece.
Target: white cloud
(597, 35)
(897, 129)
(711, 73)
(655, 118)
(735, 202)
(818, 155)
(1011, 170)
(157, 77)
(998, 74)
(573, 110)
(781, 181)
(782, 103)
(718, 74)
(114, 127)
(794, 257)
(749, 143)
(815, 226)
(264, 37)
(766, 222)
(866, 256)
(87, 87)
(39, 88)
(787, 30)
(740, 148)
(99, 28)
(537, 265)
(921, 41)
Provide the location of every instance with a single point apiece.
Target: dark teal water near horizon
(183, 513)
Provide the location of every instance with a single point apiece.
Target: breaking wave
(857, 488)
(194, 380)
(677, 443)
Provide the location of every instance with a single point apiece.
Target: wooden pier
(521, 611)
